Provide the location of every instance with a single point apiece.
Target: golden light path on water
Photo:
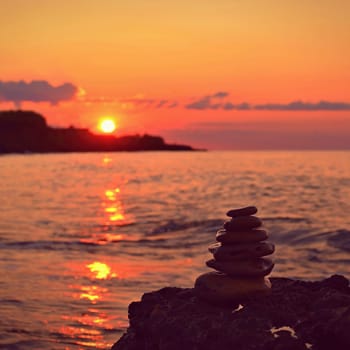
(96, 321)
(99, 274)
(113, 214)
(101, 270)
(113, 206)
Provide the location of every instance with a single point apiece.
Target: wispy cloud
(20, 91)
(173, 105)
(305, 106)
(220, 94)
(228, 106)
(148, 103)
(208, 101)
(35, 91)
(211, 102)
(220, 101)
(132, 102)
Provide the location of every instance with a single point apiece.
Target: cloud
(138, 101)
(228, 106)
(173, 105)
(161, 103)
(135, 102)
(206, 103)
(220, 101)
(203, 103)
(36, 91)
(148, 103)
(220, 94)
(42, 91)
(305, 106)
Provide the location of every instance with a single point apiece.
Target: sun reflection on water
(92, 293)
(113, 206)
(106, 160)
(91, 318)
(101, 270)
(102, 238)
(83, 336)
(88, 329)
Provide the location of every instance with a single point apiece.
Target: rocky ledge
(296, 315)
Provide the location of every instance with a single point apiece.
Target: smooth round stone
(242, 222)
(241, 251)
(229, 237)
(220, 289)
(247, 268)
(242, 212)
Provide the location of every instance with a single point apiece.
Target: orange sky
(130, 56)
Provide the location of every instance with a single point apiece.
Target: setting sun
(107, 125)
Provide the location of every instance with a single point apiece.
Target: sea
(84, 234)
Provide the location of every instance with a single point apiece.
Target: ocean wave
(287, 219)
(339, 239)
(10, 301)
(96, 242)
(214, 224)
(24, 345)
(310, 240)
(46, 245)
(172, 226)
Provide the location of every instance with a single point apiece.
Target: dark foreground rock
(297, 315)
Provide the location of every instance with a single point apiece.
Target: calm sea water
(82, 235)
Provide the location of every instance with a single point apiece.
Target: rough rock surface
(297, 315)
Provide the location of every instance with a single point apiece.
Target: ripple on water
(340, 239)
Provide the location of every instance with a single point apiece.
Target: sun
(107, 125)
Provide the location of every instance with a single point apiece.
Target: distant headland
(27, 131)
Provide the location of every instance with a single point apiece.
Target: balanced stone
(247, 268)
(218, 288)
(242, 212)
(242, 222)
(240, 251)
(229, 237)
(239, 258)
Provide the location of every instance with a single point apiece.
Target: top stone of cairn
(242, 212)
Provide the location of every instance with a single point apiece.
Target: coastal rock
(296, 315)
(225, 236)
(242, 211)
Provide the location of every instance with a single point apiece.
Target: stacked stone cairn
(239, 261)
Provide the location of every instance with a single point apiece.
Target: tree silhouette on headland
(27, 131)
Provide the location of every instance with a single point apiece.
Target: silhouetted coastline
(28, 132)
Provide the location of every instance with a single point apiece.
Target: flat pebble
(242, 236)
(242, 222)
(218, 289)
(242, 212)
(243, 268)
(224, 252)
